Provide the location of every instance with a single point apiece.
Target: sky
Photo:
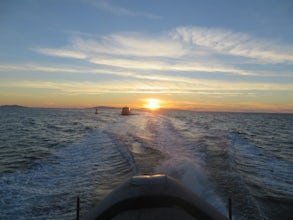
(204, 55)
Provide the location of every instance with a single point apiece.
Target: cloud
(118, 10)
(41, 68)
(61, 53)
(179, 66)
(184, 49)
(131, 44)
(155, 82)
(235, 44)
(175, 85)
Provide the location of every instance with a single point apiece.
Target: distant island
(106, 107)
(12, 106)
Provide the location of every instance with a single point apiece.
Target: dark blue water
(48, 157)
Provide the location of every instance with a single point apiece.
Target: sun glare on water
(152, 104)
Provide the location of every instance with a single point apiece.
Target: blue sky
(195, 54)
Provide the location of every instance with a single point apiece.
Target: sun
(152, 104)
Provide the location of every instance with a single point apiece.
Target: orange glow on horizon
(152, 104)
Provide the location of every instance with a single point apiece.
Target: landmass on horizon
(13, 106)
(161, 109)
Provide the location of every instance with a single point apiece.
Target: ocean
(48, 157)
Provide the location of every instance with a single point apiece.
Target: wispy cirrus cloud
(118, 10)
(180, 66)
(235, 44)
(152, 79)
(140, 83)
(184, 49)
(131, 44)
(61, 53)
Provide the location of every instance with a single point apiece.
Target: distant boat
(125, 111)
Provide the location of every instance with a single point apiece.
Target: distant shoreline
(12, 106)
(145, 109)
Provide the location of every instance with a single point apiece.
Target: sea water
(48, 157)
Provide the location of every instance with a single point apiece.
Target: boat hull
(125, 111)
(153, 197)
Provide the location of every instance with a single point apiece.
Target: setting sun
(152, 104)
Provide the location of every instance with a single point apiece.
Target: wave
(267, 175)
(89, 169)
(87, 155)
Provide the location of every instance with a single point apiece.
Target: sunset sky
(228, 55)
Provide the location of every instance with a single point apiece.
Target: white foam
(75, 170)
(261, 168)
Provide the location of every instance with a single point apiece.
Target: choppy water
(48, 157)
